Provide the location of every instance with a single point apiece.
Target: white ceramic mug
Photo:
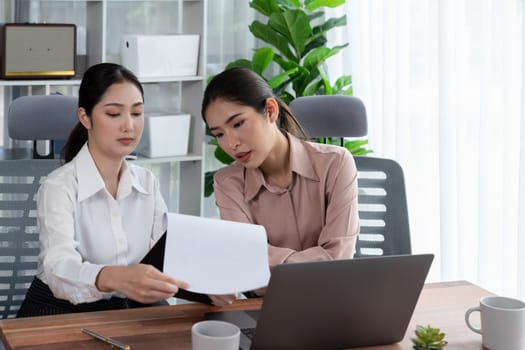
(502, 322)
(215, 335)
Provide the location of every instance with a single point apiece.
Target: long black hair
(95, 82)
(247, 88)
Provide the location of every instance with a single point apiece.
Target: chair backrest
(331, 115)
(19, 244)
(49, 117)
(383, 212)
(42, 117)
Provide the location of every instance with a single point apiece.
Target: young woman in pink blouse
(303, 193)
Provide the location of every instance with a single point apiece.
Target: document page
(216, 256)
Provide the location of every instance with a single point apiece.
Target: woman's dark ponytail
(77, 138)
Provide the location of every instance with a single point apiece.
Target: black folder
(155, 257)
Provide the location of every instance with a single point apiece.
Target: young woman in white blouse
(98, 215)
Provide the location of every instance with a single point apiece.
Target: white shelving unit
(100, 26)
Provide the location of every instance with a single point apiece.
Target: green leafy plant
(295, 31)
(295, 36)
(429, 338)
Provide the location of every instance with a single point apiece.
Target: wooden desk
(168, 327)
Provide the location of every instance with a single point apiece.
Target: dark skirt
(40, 301)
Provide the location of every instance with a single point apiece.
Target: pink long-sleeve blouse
(315, 218)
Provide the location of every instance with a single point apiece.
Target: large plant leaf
(208, 183)
(284, 63)
(312, 5)
(323, 73)
(222, 156)
(261, 59)
(318, 56)
(266, 7)
(357, 147)
(319, 32)
(289, 3)
(270, 36)
(287, 97)
(313, 15)
(340, 47)
(240, 63)
(294, 26)
(342, 83)
(313, 88)
(332, 23)
(300, 80)
(348, 92)
(279, 79)
(314, 42)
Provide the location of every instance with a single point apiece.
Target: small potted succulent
(429, 338)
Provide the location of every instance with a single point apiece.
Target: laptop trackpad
(243, 319)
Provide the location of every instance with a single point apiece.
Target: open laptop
(334, 304)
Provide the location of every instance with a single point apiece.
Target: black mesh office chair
(382, 200)
(29, 118)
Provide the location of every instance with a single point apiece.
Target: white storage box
(165, 135)
(161, 55)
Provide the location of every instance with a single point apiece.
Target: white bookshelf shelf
(100, 26)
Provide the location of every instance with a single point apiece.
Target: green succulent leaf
(429, 338)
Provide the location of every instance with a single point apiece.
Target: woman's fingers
(142, 283)
(222, 300)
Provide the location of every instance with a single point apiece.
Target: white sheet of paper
(216, 256)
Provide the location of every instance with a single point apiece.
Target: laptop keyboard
(249, 332)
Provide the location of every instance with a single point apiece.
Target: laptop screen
(336, 304)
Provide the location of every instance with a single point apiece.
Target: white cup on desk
(502, 322)
(215, 335)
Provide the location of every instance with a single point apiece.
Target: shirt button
(121, 241)
(114, 214)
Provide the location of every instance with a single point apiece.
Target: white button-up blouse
(83, 228)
